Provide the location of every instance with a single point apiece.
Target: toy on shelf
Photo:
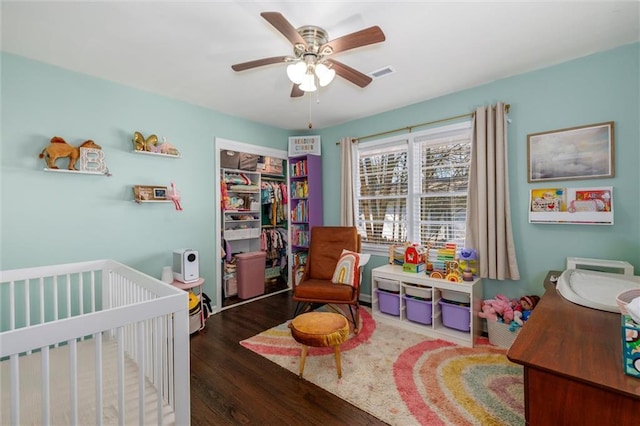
(452, 273)
(396, 253)
(174, 196)
(468, 261)
(59, 148)
(440, 258)
(142, 144)
(414, 259)
(150, 144)
(167, 149)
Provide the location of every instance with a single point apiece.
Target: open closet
(253, 230)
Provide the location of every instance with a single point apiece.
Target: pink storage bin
(250, 273)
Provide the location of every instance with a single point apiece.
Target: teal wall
(594, 89)
(49, 218)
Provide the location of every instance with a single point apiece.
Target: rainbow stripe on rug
(406, 378)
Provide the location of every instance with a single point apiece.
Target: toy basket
(500, 335)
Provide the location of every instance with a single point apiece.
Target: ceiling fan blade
(281, 24)
(360, 38)
(348, 73)
(258, 63)
(296, 92)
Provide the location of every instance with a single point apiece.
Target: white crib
(92, 343)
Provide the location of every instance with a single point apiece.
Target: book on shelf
(548, 199)
(592, 200)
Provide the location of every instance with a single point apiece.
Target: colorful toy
(414, 259)
(468, 260)
(59, 148)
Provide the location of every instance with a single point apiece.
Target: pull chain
(310, 122)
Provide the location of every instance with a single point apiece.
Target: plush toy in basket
(505, 317)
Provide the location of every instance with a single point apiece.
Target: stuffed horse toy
(174, 196)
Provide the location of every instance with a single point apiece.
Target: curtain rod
(410, 128)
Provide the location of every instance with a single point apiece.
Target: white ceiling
(185, 50)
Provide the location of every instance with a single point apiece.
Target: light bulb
(325, 75)
(308, 83)
(296, 72)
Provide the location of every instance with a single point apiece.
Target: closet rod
(410, 128)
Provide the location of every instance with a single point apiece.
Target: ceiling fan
(312, 54)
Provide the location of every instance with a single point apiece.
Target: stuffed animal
(500, 308)
(166, 148)
(487, 311)
(59, 148)
(174, 196)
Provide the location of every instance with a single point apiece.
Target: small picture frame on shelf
(160, 193)
(149, 193)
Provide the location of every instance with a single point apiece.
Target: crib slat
(157, 328)
(12, 306)
(55, 301)
(120, 357)
(73, 379)
(27, 304)
(46, 386)
(97, 339)
(15, 390)
(68, 287)
(141, 369)
(42, 299)
(81, 293)
(93, 291)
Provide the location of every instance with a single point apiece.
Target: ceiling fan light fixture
(308, 83)
(296, 72)
(325, 74)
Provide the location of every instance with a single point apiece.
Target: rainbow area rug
(405, 378)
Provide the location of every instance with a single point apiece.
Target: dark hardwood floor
(231, 385)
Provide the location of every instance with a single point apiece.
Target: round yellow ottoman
(320, 329)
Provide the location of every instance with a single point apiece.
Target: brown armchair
(316, 286)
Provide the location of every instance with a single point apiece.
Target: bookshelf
(305, 207)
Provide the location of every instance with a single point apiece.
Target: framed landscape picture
(584, 152)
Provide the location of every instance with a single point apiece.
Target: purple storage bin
(389, 303)
(455, 316)
(418, 310)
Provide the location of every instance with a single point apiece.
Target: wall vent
(382, 72)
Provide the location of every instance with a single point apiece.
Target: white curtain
(488, 209)
(346, 182)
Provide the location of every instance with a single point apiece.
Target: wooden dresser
(572, 358)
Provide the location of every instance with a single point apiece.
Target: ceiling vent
(382, 72)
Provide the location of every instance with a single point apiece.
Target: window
(413, 188)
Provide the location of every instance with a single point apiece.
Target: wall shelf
(157, 154)
(572, 206)
(152, 201)
(77, 172)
